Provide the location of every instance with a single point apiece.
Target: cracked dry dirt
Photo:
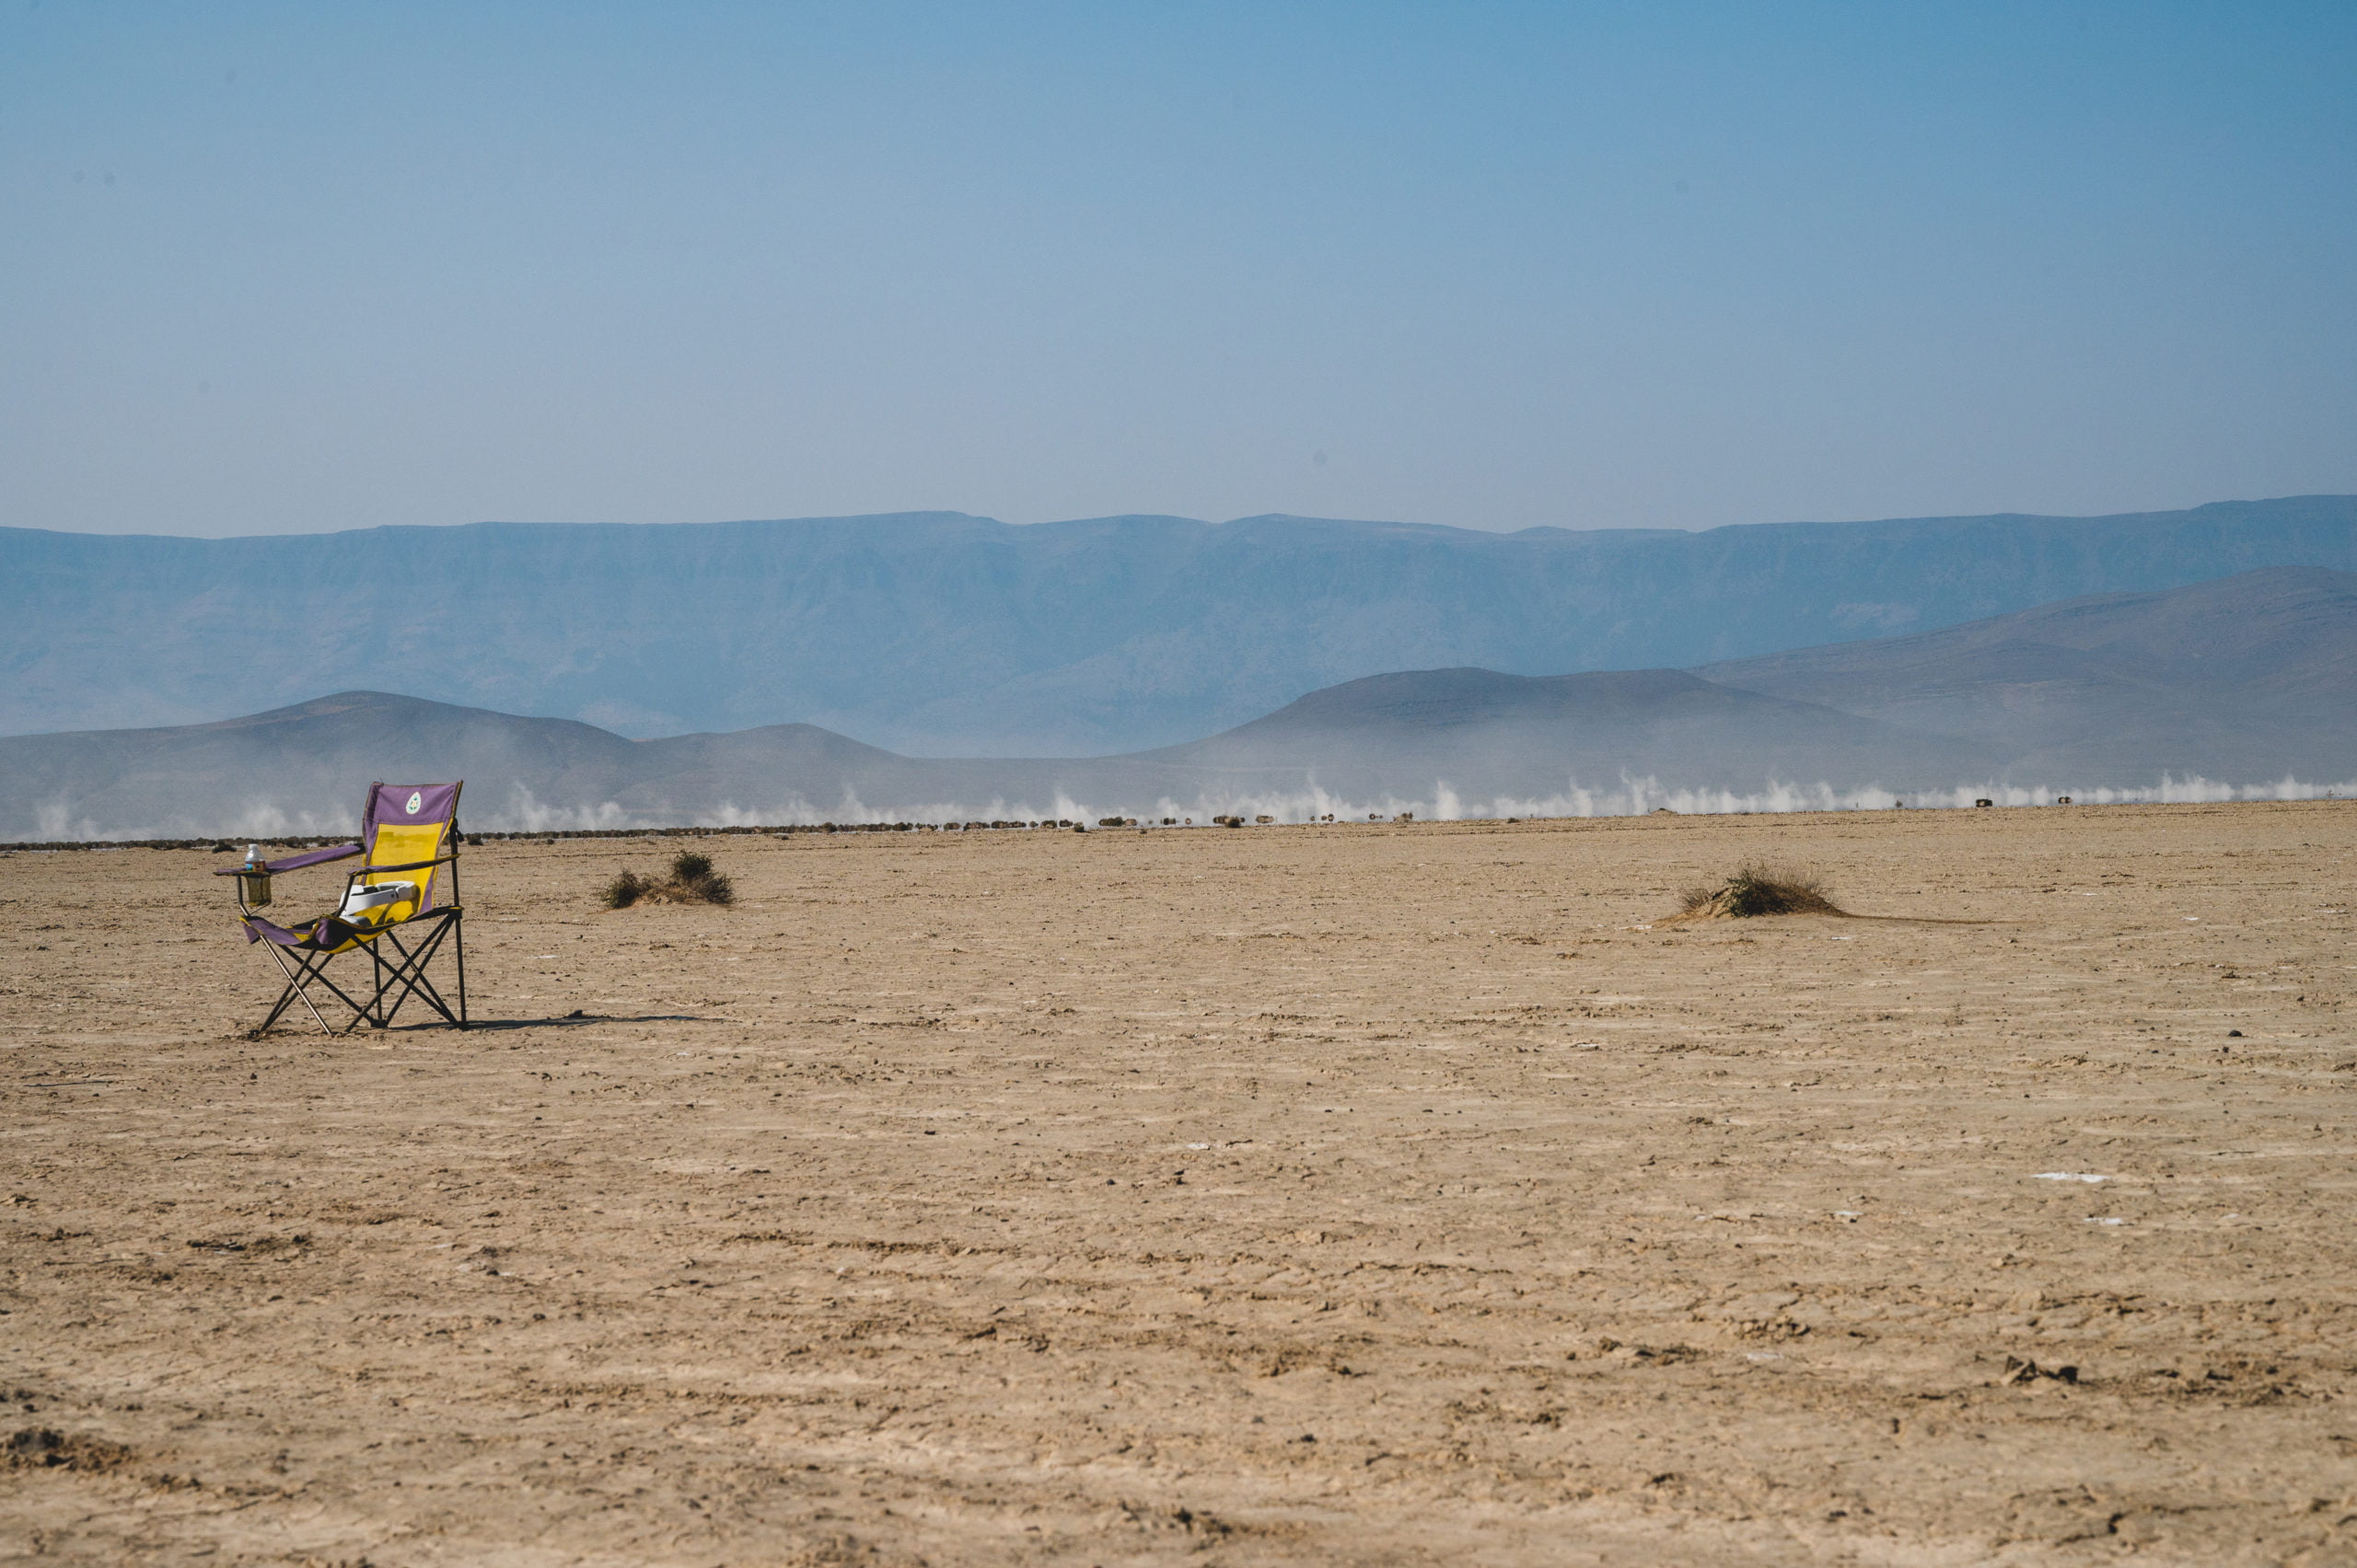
(1364, 1194)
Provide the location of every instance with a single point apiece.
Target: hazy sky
(270, 268)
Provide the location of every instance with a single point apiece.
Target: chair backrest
(403, 824)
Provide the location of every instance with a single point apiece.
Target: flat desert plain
(1362, 1194)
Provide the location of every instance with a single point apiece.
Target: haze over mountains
(948, 635)
(2242, 682)
(1442, 739)
(2250, 675)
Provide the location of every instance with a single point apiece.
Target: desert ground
(1368, 1194)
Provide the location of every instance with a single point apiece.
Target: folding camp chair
(408, 833)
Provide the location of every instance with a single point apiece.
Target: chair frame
(396, 980)
(409, 974)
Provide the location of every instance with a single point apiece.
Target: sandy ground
(1363, 1194)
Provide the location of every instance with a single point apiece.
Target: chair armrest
(296, 862)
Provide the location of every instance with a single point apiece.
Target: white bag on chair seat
(360, 899)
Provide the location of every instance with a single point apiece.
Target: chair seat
(332, 932)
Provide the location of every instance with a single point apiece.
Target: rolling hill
(1533, 737)
(2250, 677)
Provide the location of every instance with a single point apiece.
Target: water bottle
(253, 881)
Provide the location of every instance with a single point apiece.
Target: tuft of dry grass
(694, 881)
(1757, 891)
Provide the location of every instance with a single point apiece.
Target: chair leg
(389, 975)
(408, 978)
(287, 998)
(426, 989)
(383, 973)
(312, 967)
(459, 950)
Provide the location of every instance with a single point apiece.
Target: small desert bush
(694, 881)
(1756, 891)
(697, 882)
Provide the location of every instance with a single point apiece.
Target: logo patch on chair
(416, 799)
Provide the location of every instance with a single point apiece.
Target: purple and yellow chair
(409, 833)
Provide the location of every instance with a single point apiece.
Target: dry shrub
(1756, 891)
(40, 1448)
(624, 891)
(697, 882)
(694, 881)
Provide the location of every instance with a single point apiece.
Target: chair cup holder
(254, 887)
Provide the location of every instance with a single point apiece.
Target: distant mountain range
(2242, 681)
(954, 635)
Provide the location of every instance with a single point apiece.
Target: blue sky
(276, 268)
